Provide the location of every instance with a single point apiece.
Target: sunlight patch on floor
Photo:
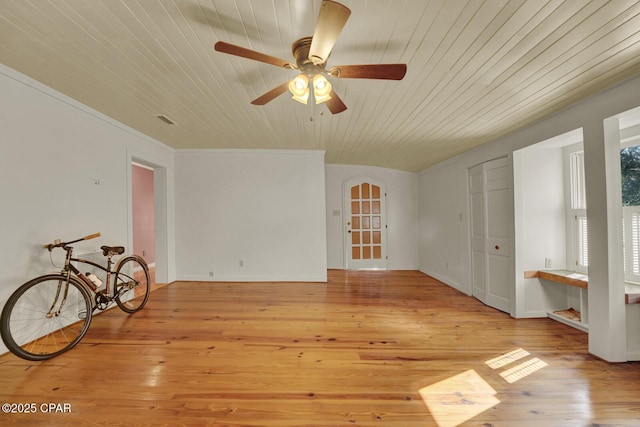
(505, 359)
(517, 372)
(522, 370)
(459, 398)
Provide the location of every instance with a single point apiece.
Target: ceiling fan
(311, 54)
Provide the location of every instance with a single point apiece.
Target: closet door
(491, 258)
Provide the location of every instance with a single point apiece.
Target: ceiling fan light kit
(299, 88)
(311, 54)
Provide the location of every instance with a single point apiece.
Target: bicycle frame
(85, 279)
(70, 269)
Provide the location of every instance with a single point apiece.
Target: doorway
(142, 191)
(365, 224)
(148, 216)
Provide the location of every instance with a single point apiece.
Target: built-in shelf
(574, 323)
(571, 278)
(566, 277)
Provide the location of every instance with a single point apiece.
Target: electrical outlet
(241, 263)
(547, 263)
(211, 274)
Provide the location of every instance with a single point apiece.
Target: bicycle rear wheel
(133, 284)
(46, 317)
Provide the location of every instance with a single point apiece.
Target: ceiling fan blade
(371, 71)
(331, 19)
(335, 104)
(272, 94)
(242, 52)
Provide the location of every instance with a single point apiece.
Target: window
(630, 180)
(580, 249)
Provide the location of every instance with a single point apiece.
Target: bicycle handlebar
(58, 244)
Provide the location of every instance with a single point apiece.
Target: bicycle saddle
(112, 250)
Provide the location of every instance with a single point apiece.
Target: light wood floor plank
(365, 349)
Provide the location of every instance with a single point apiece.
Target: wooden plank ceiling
(476, 69)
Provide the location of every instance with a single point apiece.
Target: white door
(365, 224)
(491, 259)
(476, 191)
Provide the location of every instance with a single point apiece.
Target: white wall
(443, 226)
(540, 228)
(52, 148)
(264, 208)
(607, 322)
(402, 213)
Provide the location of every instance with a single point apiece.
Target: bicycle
(50, 314)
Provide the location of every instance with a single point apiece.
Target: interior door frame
(346, 200)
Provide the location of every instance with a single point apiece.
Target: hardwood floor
(365, 349)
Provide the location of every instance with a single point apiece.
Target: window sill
(632, 293)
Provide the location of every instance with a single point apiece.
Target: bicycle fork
(53, 312)
(63, 288)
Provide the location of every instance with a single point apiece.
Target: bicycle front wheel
(133, 284)
(46, 317)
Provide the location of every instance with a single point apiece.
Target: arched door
(365, 224)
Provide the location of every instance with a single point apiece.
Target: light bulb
(300, 84)
(321, 88)
(299, 88)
